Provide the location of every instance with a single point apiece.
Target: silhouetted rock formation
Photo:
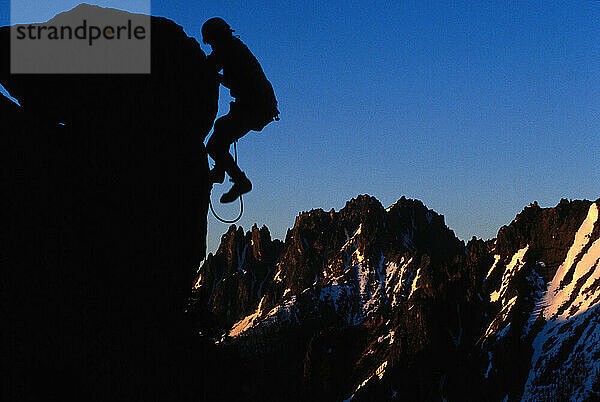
(107, 219)
(105, 225)
(387, 304)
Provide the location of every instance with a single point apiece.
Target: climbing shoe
(240, 186)
(217, 176)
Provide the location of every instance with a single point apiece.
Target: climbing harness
(241, 200)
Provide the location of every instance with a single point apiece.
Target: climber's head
(215, 30)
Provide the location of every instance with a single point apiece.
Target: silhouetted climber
(254, 107)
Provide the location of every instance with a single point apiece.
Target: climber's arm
(214, 64)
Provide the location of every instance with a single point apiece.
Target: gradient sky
(475, 108)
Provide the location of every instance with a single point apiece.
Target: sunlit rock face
(543, 339)
(387, 304)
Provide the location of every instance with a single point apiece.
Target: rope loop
(241, 200)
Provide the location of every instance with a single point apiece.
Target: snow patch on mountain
(285, 311)
(334, 294)
(559, 291)
(246, 322)
(516, 263)
(567, 348)
(496, 260)
(500, 319)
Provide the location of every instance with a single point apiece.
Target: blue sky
(475, 108)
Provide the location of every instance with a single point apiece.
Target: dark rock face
(107, 224)
(345, 287)
(236, 273)
(374, 304)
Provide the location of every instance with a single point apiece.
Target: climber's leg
(227, 130)
(241, 185)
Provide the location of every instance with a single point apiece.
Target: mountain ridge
(403, 301)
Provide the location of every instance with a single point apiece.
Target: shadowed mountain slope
(387, 304)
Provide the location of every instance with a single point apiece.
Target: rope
(241, 200)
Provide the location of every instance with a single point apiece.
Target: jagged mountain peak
(388, 255)
(548, 231)
(230, 281)
(390, 298)
(236, 236)
(543, 284)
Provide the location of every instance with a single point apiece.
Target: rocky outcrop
(345, 287)
(236, 273)
(107, 224)
(387, 304)
(543, 289)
